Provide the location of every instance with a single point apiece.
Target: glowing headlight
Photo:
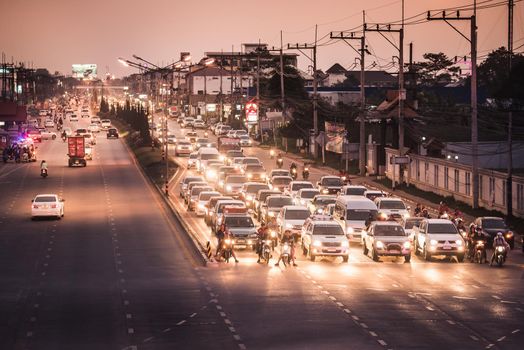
(379, 245)
(302, 202)
(458, 242)
(406, 215)
(319, 211)
(249, 176)
(273, 234)
(345, 244)
(350, 230)
(221, 158)
(317, 243)
(325, 191)
(271, 214)
(221, 183)
(229, 188)
(227, 241)
(433, 242)
(500, 249)
(288, 225)
(249, 242)
(211, 174)
(263, 176)
(249, 198)
(509, 234)
(407, 245)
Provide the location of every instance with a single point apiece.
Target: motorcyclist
(64, 135)
(262, 235)
(460, 224)
(220, 238)
(457, 214)
(293, 170)
(228, 235)
(305, 172)
(418, 210)
(43, 165)
(442, 209)
(499, 241)
(474, 236)
(280, 160)
(288, 238)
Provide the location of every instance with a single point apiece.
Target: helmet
(499, 234)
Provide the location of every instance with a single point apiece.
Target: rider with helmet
(499, 241)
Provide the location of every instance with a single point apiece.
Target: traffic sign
(399, 160)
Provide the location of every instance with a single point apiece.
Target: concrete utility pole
(509, 180)
(231, 102)
(313, 59)
(362, 123)
(474, 127)
(282, 91)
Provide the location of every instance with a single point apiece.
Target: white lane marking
(364, 325)
(339, 304)
(395, 285)
(181, 323)
(519, 309)
(232, 329)
(242, 346)
(463, 298)
(129, 316)
(377, 289)
(373, 334)
(473, 337)
(515, 331)
(166, 330)
(501, 338)
(450, 322)
(223, 314)
(490, 346)
(475, 286)
(508, 302)
(496, 297)
(227, 321)
(430, 308)
(130, 330)
(148, 339)
(381, 342)
(236, 336)
(355, 318)
(347, 311)
(193, 315)
(126, 302)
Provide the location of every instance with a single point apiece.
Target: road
(395, 305)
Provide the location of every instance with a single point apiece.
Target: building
(375, 78)
(336, 74)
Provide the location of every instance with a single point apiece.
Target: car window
(281, 181)
(355, 191)
(392, 205)
(254, 188)
(43, 199)
(442, 228)
(360, 214)
(493, 224)
(297, 214)
(330, 181)
(410, 223)
(236, 179)
(239, 221)
(324, 200)
(299, 186)
(328, 230)
(389, 230)
(308, 194)
(279, 202)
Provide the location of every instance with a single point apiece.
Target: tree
(493, 74)
(437, 70)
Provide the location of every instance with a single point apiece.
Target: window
(426, 172)
(491, 190)
(418, 169)
(504, 192)
(200, 92)
(446, 178)
(456, 178)
(435, 175)
(481, 192)
(468, 183)
(520, 196)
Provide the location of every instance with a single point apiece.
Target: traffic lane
(161, 287)
(273, 308)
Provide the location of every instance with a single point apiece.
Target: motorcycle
(478, 254)
(285, 254)
(266, 250)
(280, 162)
(43, 173)
(274, 240)
(272, 154)
(206, 134)
(227, 249)
(305, 173)
(500, 255)
(293, 171)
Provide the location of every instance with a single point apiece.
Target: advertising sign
(251, 113)
(84, 71)
(334, 136)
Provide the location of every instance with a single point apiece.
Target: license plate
(331, 250)
(446, 247)
(394, 251)
(240, 246)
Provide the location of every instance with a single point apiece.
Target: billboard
(251, 113)
(335, 134)
(84, 71)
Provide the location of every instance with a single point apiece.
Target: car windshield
(43, 199)
(250, 161)
(234, 154)
(328, 230)
(193, 156)
(263, 195)
(389, 230)
(355, 191)
(202, 140)
(444, 228)
(239, 221)
(255, 188)
(392, 205)
(297, 187)
(493, 224)
(279, 202)
(221, 207)
(280, 173)
(184, 143)
(297, 214)
(236, 179)
(255, 168)
(411, 223)
(331, 181)
(81, 131)
(325, 200)
(277, 181)
(360, 214)
(192, 179)
(308, 194)
(195, 191)
(207, 156)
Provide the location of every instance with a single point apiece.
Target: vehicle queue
(247, 206)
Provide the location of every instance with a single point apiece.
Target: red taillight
(53, 206)
(35, 206)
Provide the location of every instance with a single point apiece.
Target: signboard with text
(84, 71)
(251, 113)
(334, 136)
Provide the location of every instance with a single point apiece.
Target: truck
(76, 151)
(173, 111)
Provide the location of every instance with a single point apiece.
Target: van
(353, 213)
(205, 154)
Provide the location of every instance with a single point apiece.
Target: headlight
(319, 211)
(249, 242)
(406, 215)
(229, 188)
(509, 234)
(227, 241)
(249, 176)
(221, 158)
(345, 244)
(249, 198)
(458, 242)
(219, 221)
(302, 202)
(273, 233)
(350, 230)
(288, 225)
(500, 249)
(221, 183)
(407, 245)
(263, 176)
(433, 242)
(201, 206)
(379, 245)
(211, 174)
(317, 243)
(325, 191)
(270, 214)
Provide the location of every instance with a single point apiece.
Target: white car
(48, 135)
(322, 236)
(88, 152)
(245, 141)
(44, 205)
(386, 238)
(106, 123)
(94, 127)
(292, 218)
(304, 196)
(192, 161)
(392, 207)
(294, 186)
(73, 118)
(49, 124)
(199, 124)
(438, 237)
(95, 119)
(68, 131)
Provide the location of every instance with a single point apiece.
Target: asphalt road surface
(115, 273)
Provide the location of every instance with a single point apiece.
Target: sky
(55, 34)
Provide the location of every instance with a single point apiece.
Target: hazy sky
(57, 33)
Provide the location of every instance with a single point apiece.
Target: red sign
(75, 146)
(251, 113)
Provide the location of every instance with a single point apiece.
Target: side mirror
(32, 200)
(409, 207)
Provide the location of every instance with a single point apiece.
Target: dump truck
(76, 151)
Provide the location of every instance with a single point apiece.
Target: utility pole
(362, 123)
(231, 104)
(315, 85)
(282, 90)
(474, 126)
(509, 180)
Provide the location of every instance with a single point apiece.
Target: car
(190, 185)
(372, 194)
(171, 139)
(35, 135)
(218, 211)
(187, 122)
(491, 225)
(202, 142)
(295, 185)
(233, 185)
(84, 114)
(280, 183)
(105, 123)
(67, 131)
(322, 236)
(203, 199)
(386, 238)
(392, 207)
(199, 124)
(191, 162)
(93, 127)
(90, 139)
(81, 132)
(245, 141)
(330, 184)
(304, 196)
(292, 218)
(73, 118)
(249, 192)
(241, 226)
(278, 172)
(320, 201)
(231, 154)
(49, 124)
(254, 172)
(438, 237)
(192, 199)
(48, 135)
(353, 190)
(88, 149)
(354, 213)
(210, 207)
(47, 205)
(409, 224)
(272, 205)
(183, 147)
(112, 133)
(96, 119)
(260, 199)
(184, 183)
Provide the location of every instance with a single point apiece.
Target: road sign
(399, 160)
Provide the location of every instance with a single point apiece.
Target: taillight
(53, 206)
(35, 206)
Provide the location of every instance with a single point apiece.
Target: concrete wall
(211, 84)
(491, 155)
(450, 178)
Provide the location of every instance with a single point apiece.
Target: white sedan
(93, 127)
(47, 205)
(48, 135)
(49, 124)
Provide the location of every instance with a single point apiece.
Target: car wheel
(407, 258)
(427, 255)
(374, 255)
(461, 257)
(415, 246)
(304, 250)
(365, 249)
(345, 258)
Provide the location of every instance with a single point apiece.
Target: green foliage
(494, 75)
(436, 70)
(136, 117)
